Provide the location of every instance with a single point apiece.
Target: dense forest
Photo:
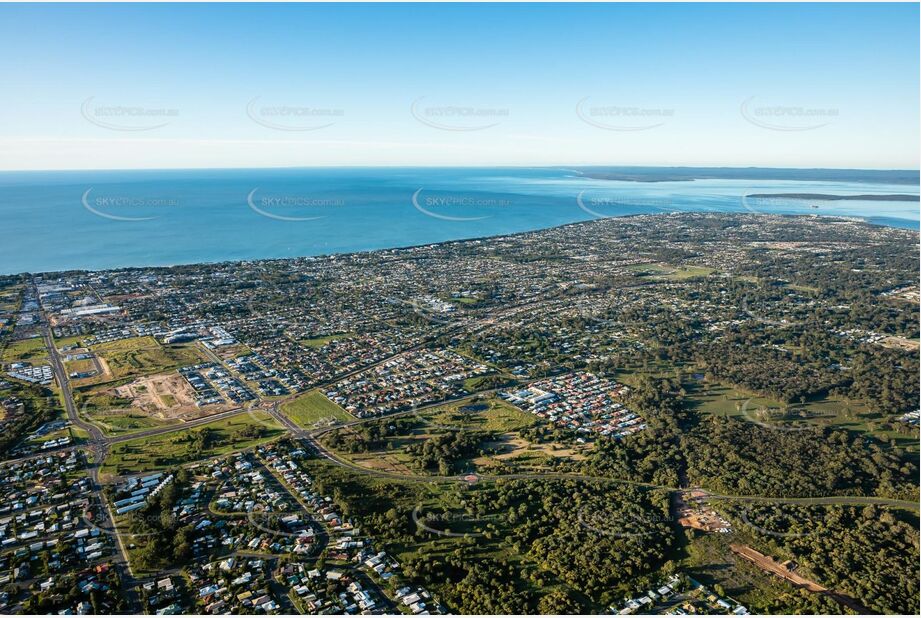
(580, 544)
(651, 456)
(868, 552)
(742, 458)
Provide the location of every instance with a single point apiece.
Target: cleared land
(167, 396)
(238, 433)
(140, 356)
(314, 409)
(489, 415)
(148, 402)
(512, 450)
(319, 342)
(666, 271)
(26, 351)
(772, 566)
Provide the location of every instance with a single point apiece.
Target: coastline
(57, 222)
(721, 214)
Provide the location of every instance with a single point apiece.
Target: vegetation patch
(313, 409)
(319, 342)
(30, 350)
(220, 437)
(140, 356)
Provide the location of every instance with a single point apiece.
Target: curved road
(326, 454)
(98, 446)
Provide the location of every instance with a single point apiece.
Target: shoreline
(597, 171)
(852, 219)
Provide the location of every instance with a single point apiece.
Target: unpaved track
(770, 565)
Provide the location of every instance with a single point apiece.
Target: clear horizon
(129, 87)
(472, 166)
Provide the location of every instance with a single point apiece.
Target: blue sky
(242, 85)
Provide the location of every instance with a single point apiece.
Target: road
(772, 566)
(323, 452)
(97, 446)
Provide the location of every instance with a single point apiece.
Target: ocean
(55, 221)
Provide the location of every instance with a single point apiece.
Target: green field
(726, 401)
(26, 350)
(139, 356)
(672, 273)
(76, 434)
(494, 420)
(66, 341)
(120, 422)
(319, 342)
(79, 366)
(490, 415)
(237, 433)
(310, 409)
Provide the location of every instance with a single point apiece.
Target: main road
(97, 446)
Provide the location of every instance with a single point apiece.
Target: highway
(323, 452)
(97, 446)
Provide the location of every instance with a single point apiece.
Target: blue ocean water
(93, 220)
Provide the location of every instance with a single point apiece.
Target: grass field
(319, 342)
(66, 341)
(490, 415)
(312, 408)
(180, 447)
(726, 401)
(120, 422)
(672, 273)
(141, 356)
(26, 350)
(82, 365)
(77, 435)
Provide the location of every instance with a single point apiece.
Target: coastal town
(254, 437)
